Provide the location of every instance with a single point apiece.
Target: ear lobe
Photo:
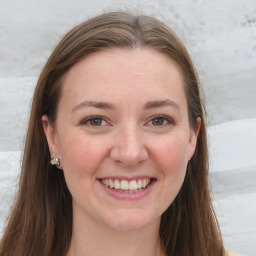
(193, 138)
(50, 134)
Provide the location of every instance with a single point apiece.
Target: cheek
(81, 158)
(171, 154)
(81, 155)
(171, 159)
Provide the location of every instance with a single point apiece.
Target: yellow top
(230, 253)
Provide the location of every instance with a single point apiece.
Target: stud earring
(55, 161)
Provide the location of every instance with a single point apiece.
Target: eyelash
(164, 118)
(93, 118)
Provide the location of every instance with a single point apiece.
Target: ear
(193, 138)
(51, 136)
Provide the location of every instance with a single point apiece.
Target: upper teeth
(125, 184)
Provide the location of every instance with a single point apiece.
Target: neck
(90, 238)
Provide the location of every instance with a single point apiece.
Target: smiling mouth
(125, 186)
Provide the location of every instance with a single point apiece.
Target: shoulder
(230, 253)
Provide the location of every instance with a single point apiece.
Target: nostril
(129, 155)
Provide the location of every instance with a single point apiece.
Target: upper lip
(127, 178)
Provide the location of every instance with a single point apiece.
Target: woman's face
(123, 137)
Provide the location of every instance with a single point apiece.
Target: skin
(130, 139)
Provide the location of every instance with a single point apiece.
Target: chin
(128, 226)
(130, 222)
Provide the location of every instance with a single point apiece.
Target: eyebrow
(109, 106)
(96, 104)
(161, 103)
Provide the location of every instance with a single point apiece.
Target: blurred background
(221, 39)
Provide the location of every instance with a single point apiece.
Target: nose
(129, 148)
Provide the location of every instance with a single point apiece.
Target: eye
(160, 121)
(94, 121)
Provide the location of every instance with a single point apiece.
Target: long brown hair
(40, 222)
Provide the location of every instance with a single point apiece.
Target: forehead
(137, 59)
(139, 72)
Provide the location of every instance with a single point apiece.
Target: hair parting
(40, 222)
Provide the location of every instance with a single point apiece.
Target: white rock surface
(221, 38)
(233, 145)
(234, 187)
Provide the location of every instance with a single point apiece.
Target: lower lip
(128, 196)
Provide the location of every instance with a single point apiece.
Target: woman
(115, 160)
